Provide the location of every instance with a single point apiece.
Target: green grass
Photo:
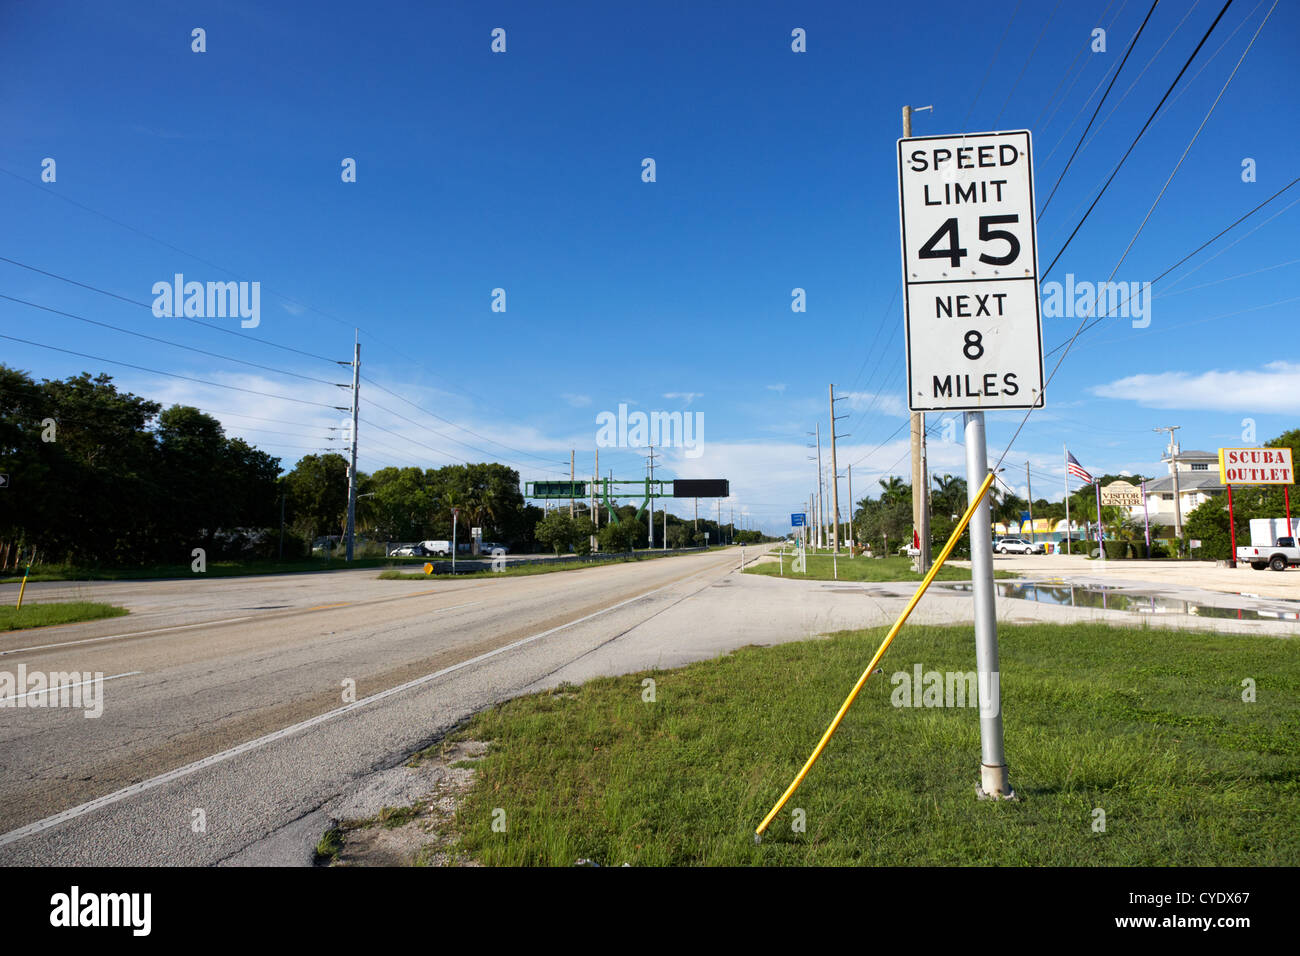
(215, 569)
(330, 846)
(1147, 725)
(521, 570)
(822, 566)
(43, 615)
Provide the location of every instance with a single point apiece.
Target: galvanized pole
(1068, 533)
(835, 480)
(993, 763)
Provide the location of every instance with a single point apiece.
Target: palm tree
(951, 494)
(894, 490)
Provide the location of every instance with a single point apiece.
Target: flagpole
(1101, 531)
(1067, 498)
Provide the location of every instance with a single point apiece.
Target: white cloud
(775, 388)
(577, 401)
(879, 402)
(686, 397)
(1272, 388)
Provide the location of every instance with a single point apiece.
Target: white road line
(13, 836)
(161, 630)
(113, 637)
(55, 690)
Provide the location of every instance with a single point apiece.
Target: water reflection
(1109, 598)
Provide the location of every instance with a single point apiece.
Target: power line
(1082, 322)
(989, 68)
(154, 338)
(1133, 145)
(1208, 242)
(186, 378)
(1082, 136)
(419, 408)
(1021, 75)
(243, 336)
(1068, 70)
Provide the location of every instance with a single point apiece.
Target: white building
(1198, 481)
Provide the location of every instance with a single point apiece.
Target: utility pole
(595, 500)
(1030, 489)
(697, 515)
(649, 490)
(851, 535)
(571, 477)
(352, 468)
(1173, 471)
(821, 509)
(282, 496)
(835, 475)
(920, 481)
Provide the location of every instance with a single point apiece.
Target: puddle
(1109, 598)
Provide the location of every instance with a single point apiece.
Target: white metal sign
(970, 272)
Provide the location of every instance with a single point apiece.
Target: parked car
(1017, 546)
(409, 551)
(487, 547)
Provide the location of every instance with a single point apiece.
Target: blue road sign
(798, 520)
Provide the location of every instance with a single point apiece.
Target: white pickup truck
(1272, 544)
(1278, 556)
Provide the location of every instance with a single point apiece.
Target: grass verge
(1148, 726)
(821, 567)
(43, 615)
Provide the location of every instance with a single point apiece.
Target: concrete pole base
(994, 784)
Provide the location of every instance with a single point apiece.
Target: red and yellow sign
(1256, 466)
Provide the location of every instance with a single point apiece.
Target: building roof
(1193, 455)
(1187, 481)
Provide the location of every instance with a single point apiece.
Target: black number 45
(954, 253)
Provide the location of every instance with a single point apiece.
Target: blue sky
(522, 171)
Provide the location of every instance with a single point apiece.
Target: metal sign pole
(993, 762)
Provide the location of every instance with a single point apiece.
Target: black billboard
(701, 488)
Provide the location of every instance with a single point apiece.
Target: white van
(442, 548)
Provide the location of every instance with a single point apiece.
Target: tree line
(100, 476)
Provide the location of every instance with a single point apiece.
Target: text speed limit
(970, 270)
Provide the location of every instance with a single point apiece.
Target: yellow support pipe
(884, 646)
(23, 587)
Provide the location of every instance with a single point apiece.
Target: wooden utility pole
(851, 536)
(571, 477)
(920, 482)
(1030, 489)
(835, 481)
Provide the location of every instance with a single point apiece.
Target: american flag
(1073, 467)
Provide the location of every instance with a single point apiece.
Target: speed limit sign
(970, 272)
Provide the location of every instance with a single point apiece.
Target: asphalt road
(227, 739)
(202, 667)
